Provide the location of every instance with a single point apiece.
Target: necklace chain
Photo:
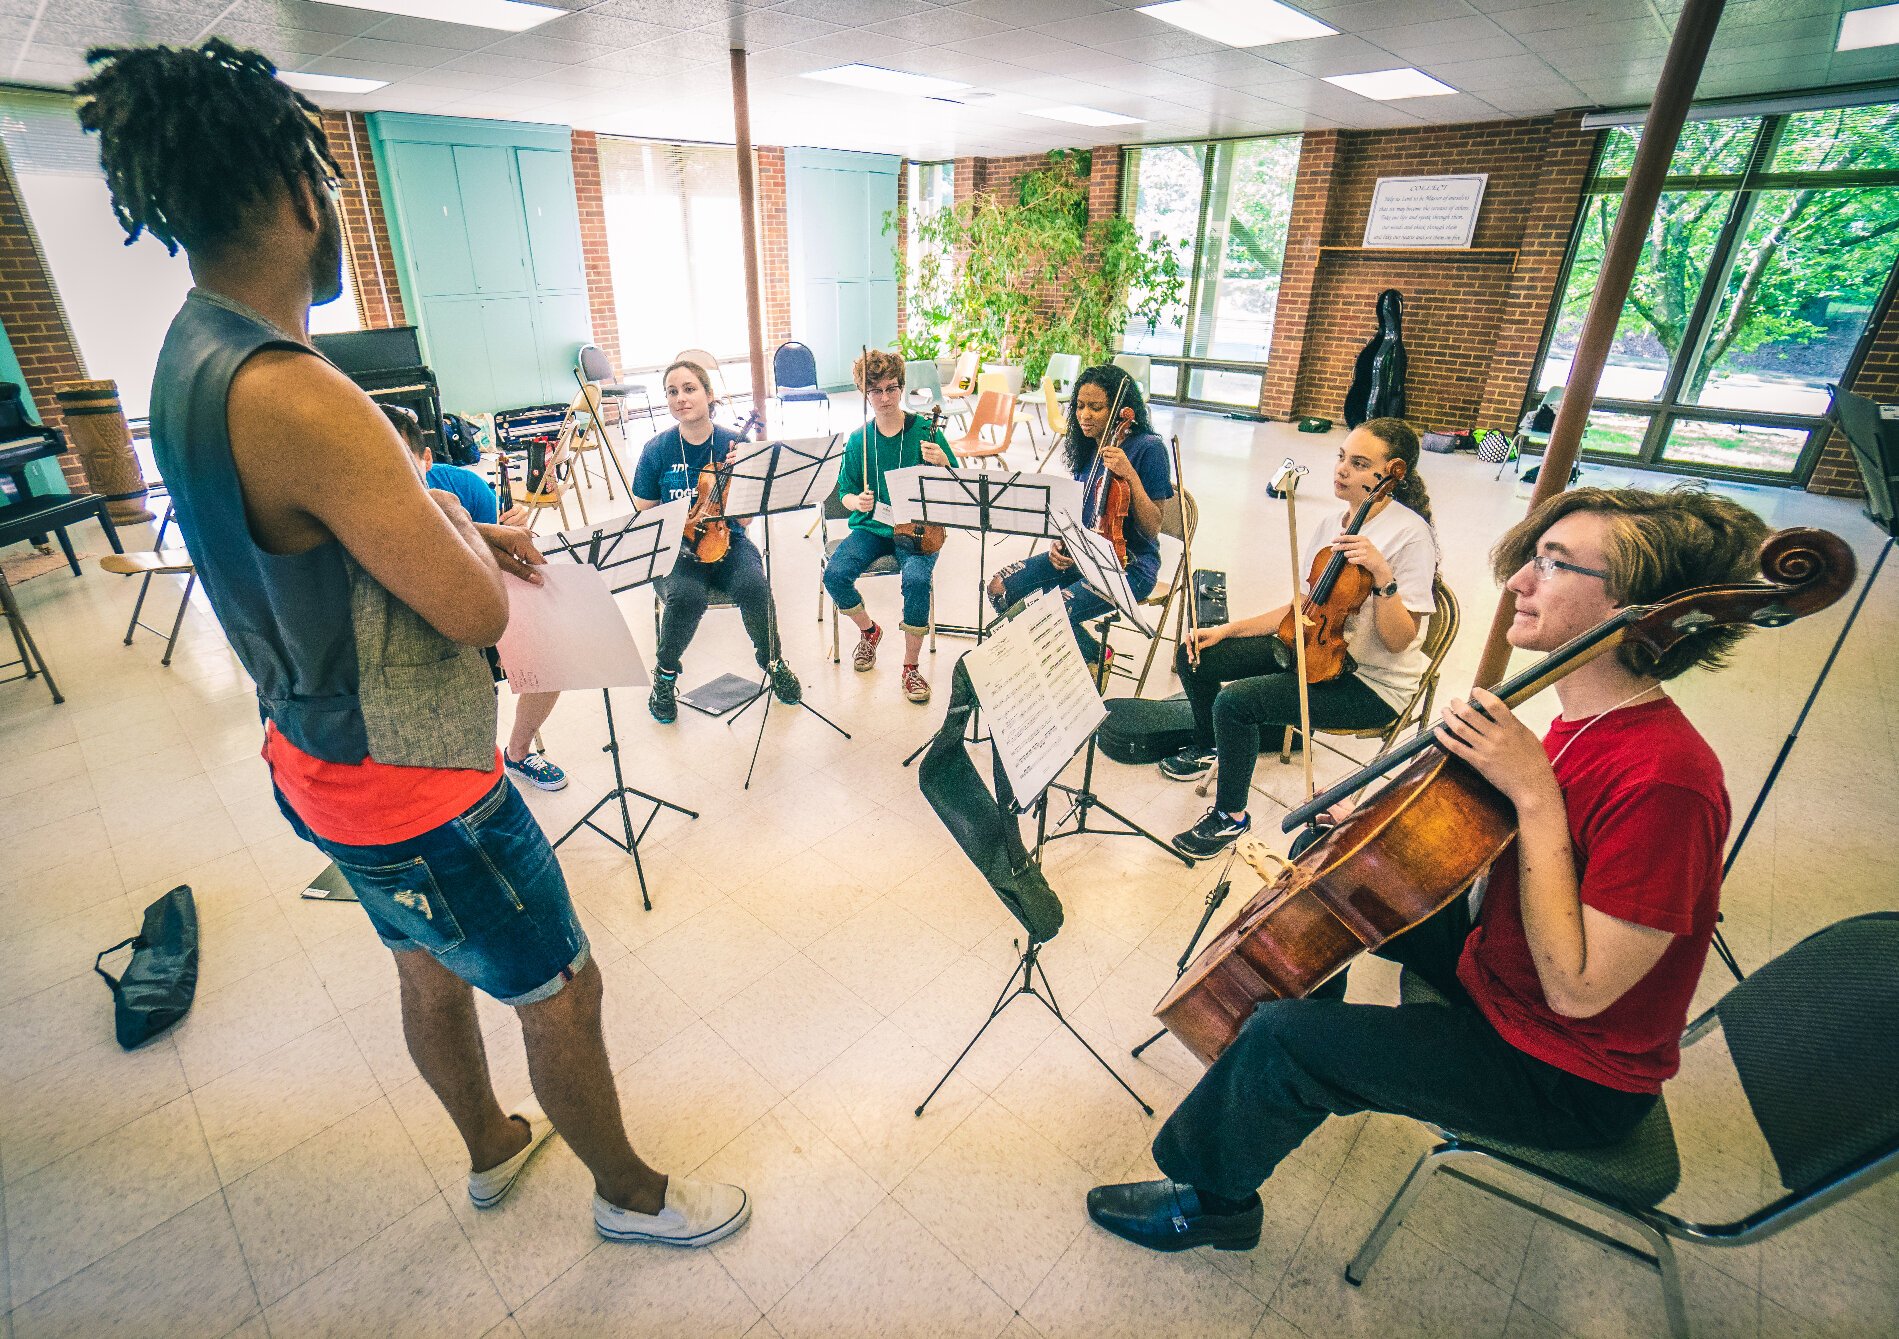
(1652, 688)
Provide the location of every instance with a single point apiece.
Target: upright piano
(388, 365)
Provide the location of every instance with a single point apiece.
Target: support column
(748, 217)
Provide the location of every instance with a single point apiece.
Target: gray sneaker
(784, 684)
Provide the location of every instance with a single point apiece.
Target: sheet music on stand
(567, 633)
(784, 476)
(978, 499)
(1034, 688)
(641, 546)
(1100, 569)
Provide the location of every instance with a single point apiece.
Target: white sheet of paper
(1101, 571)
(806, 470)
(1037, 698)
(626, 554)
(567, 633)
(1016, 506)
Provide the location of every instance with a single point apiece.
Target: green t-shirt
(891, 453)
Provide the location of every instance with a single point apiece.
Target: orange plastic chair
(996, 409)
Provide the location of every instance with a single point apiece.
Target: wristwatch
(1388, 590)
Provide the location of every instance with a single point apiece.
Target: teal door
(547, 196)
(429, 204)
(491, 200)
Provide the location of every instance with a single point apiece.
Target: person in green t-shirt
(891, 440)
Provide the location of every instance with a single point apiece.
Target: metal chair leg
(144, 587)
(1394, 1213)
(1670, 1271)
(184, 603)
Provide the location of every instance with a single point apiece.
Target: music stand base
(1021, 982)
(763, 691)
(628, 840)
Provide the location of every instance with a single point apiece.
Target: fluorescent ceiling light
(1240, 22)
(1390, 85)
(880, 80)
(1083, 116)
(1864, 28)
(329, 83)
(508, 15)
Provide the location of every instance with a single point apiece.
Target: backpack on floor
(460, 443)
(1146, 729)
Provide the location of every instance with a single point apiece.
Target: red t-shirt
(1648, 817)
(371, 803)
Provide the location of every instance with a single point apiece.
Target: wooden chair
(1180, 517)
(995, 409)
(585, 430)
(1440, 630)
(552, 492)
(162, 562)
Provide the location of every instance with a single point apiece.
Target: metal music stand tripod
(780, 477)
(636, 547)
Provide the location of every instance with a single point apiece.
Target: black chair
(592, 367)
(794, 375)
(1811, 1035)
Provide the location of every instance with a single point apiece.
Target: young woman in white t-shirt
(1247, 680)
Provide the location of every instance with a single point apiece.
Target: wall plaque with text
(1425, 211)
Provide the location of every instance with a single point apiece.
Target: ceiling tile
(766, 28)
(302, 14)
(399, 54)
(427, 32)
(1016, 12)
(940, 27)
(286, 46)
(1170, 43)
(856, 12)
(1344, 54)
(1352, 16)
(1102, 30)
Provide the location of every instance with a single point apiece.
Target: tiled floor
(817, 953)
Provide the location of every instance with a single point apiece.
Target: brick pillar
(603, 315)
(1292, 315)
(365, 225)
(1836, 473)
(36, 323)
(1564, 172)
(774, 244)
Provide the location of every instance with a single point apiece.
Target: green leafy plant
(1020, 277)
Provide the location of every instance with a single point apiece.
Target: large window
(675, 245)
(930, 188)
(1224, 208)
(119, 299)
(1769, 249)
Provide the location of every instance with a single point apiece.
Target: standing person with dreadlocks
(359, 614)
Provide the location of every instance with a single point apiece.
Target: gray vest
(343, 669)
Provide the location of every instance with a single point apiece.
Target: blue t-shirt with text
(669, 465)
(1148, 454)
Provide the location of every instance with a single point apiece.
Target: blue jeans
(483, 894)
(858, 551)
(1023, 579)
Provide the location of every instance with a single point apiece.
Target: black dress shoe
(1168, 1216)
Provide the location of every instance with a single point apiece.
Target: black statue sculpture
(1378, 374)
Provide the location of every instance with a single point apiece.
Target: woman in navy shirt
(1141, 461)
(669, 467)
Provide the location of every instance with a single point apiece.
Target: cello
(1405, 853)
(1339, 590)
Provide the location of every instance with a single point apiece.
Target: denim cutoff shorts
(483, 894)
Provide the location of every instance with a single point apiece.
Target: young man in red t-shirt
(1568, 997)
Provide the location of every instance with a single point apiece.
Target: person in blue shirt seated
(531, 710)
(669, 468)
(900, 440)
(1140, 461)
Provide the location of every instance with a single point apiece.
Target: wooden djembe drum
(97, 432)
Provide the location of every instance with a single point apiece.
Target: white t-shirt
(1405, 538)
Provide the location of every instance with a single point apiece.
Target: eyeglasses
(894, 388)
(1546, 567)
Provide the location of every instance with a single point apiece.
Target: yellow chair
(553, 491)
(1180, 517)
(1053, 418)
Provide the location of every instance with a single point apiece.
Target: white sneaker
(697, 1213)
(489, 1188)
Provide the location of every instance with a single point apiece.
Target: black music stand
(635, 545)
(780, 476)
(1874, 440)
(1103, 574)
(982, 501)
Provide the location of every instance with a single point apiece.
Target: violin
(1338, 590)
(1117, 494)
(1403, 855)
(707, 532)
(924, 537)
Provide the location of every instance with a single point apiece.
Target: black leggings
(688, 591)
(1244, 684)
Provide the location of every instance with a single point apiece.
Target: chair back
(1180, 517)
(1051, 400)
(1062, 369)
(921, 375)
(1811, 1035)
(993, 380)
(1011, 374)
(963, 380)
(794, 367)
(593, 364)
(710, 364)
(1140, 367)
(994, 409)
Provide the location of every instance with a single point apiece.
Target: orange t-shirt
(371, 803)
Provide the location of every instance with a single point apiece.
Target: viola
(1117, 494)
(924, 537)
(1337, 590)
(1402, 856)
(707, 532)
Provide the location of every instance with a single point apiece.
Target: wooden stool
(164, 562)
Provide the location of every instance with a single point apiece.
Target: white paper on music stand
(567, 633)
(1101, 571)
(1037, 699)
(656, 531)
(906, 492)
(1019, 504)
(806, 469)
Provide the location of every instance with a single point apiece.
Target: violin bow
(1190, 612)
(1288, 485)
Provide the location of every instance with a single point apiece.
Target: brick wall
(774, 244)
(35, 322)
(1836, 473)
(601, 312)
(365, 225)
(1472, 322)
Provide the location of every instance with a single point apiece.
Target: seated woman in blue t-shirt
(668, 468)
(1141, 460)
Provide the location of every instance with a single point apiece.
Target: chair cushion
(881, 567)
(802, 393)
